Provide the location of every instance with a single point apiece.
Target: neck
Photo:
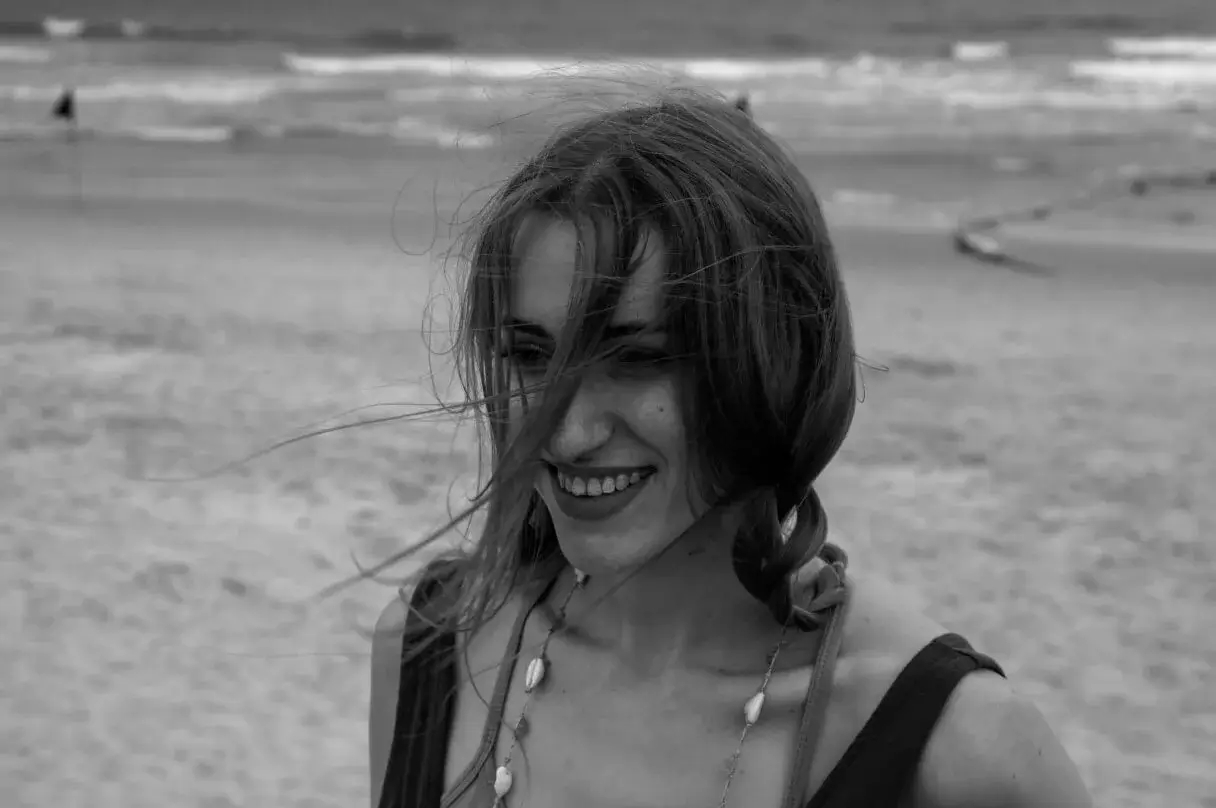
(685, 608)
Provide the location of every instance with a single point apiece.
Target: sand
(1035, 460)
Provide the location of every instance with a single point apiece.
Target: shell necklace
(539, 666)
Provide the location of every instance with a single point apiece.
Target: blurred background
(226, 224)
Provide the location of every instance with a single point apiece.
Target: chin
(598, 553)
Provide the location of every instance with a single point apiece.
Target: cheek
(656, 418)
(660, 422)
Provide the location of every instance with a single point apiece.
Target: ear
(744, 104)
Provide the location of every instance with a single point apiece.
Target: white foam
(24, 54)
(133, 28)
(853, 197)
(733, 70)
(419, 130)
(180, 134)
(509, 67)
(1195, 47)
(62, 28)
(206, 91)
(1061, 99)
(439, 93)
(979, 51)
(160, 134)
(1147, 71)
(442, 66)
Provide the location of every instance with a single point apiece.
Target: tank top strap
(878, 766)
(425, 696)
(502, 685)
(818, 695)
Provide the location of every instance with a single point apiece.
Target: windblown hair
(754, 308)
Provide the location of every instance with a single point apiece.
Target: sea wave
(159, 134)
(407, 129)
(181, 134)
(1194, 47)
(503, 68)
(24, 54)
(1153, 72)
(1054, 23)
(196, 90)
(979, 51)
(509, 68)
(126, 29)
(1065, 100)
(58, 28)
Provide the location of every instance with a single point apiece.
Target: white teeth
(599, 486)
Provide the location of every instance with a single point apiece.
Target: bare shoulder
(991, 748)
(885, 620)
(387, 640)
(883, 630)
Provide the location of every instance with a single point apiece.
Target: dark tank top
(876, 769)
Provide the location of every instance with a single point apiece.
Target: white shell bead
(502, 781)
(580, 577)
(535, 674)
(751, 710)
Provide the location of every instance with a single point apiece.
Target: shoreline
(419, 193)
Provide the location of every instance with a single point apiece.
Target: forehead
(546, 270)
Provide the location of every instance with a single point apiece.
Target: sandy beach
(1031, 457)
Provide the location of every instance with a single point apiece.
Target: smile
(598, 494)
(600, 486)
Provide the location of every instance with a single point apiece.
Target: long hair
(754, 306)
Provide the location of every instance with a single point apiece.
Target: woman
(659, 335)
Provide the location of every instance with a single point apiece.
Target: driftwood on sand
(972, 236)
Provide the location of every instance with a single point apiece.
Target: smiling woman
(657, 334)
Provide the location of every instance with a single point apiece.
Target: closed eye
(526, 356)
(638, 361)
(632, 355)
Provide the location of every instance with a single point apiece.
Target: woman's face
(616, 479)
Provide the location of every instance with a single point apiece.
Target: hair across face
(654, 292)
(615, 477)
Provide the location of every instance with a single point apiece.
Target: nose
(584, 426)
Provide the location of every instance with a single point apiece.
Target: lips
(589, 508)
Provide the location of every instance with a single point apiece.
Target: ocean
(1055, 91)
(821, 74)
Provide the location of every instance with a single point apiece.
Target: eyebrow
(616, 331)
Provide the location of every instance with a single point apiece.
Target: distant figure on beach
(64, 109)
(657, 339)
(65, 106)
